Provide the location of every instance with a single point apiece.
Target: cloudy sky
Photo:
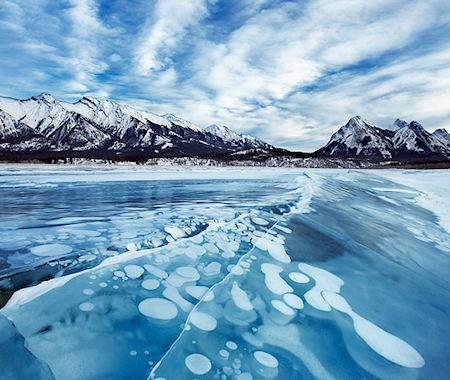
(290, 72)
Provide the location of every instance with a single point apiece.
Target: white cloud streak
(87, 33)
(169, 23)
(278, 51)
(290, 72)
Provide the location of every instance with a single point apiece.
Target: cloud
(279, 52)
(290, 72)
(86, 34)
(169, 23)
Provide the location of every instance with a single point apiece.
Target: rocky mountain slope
(42, 127)
(443, 136)
(241, 142)
(402, 141)
(91, 127)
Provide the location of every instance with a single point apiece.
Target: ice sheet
(291, 274)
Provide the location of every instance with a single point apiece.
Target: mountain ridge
(42, 124)
(359, 138)
(43, 127)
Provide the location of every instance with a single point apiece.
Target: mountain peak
(215, 127)
(45, 97)
(396, 125)
(104, 128)
(440, 131)
(88, 99)
(416, 126)
(359, 138)
(222, 131)
(400, 123)
(359, 122)
(227, 134)
(443, 136)
(181, 122)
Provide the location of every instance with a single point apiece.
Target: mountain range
(90, 127)
(402, 141)
(42, 127)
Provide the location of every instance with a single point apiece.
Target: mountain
(443, 136)
(12, 131)
(359, 138)
(239, 141)
(414, 140)
(42, 126)
(403, 141)
(396, 125)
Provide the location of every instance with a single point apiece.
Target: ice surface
(175, 232)
(385, 344)
(298, 277)
(196, 291)
(51, 250)
(16, 361)
(203, 321)
(198, 364)
(150, 284)
(158, 308)
(323, 274)
(134, 271)
(293, 301)
(324, 281)
(266, 359)
(273, 280)
(432, 187)
(240, 298)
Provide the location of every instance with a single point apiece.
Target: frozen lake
(238, 273)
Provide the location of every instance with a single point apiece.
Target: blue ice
(283, 275)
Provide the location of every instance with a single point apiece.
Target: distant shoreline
(194, 162)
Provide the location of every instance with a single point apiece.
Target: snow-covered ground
(434, 188)
(232, 273)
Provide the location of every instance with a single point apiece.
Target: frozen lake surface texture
(153, 273)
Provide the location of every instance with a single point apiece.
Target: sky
(289, 72)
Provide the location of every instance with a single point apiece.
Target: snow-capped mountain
(403, 141)
(181, 122)
(396, 125)
(12, 130)
(240, 141)
(443, 136)
(359, 138)
(104, 128)
(414, 139)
